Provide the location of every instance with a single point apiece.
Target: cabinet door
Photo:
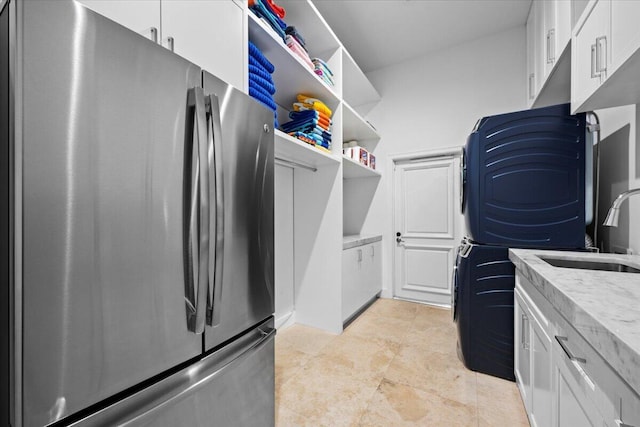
(540, 62)
(209, 33)
(573, 405)
(625, 31)
(374, 269)
(563, 25)
(137, 15)
(541, 384)
(522, 350)
(531, 56)
(570, 411)
(548, 36)
(589, 54)
(352, 268)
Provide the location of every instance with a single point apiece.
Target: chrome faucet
(612, 216)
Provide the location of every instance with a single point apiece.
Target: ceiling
(379, 33)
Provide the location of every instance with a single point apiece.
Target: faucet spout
(612, 216)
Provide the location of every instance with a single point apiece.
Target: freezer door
(234, 386)
(107, 165)
(241, 251)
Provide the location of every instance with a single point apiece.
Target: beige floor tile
(399, 405)
(288, 360)
(429, 316)
(288, 418)
(383, 330)
(358, 356)
(440, 373)
(393, 308)
(324, 395)
(389, 368)
(499, 400)
(304, 338)
(432, 339)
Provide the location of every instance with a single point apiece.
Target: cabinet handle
(152, 33)
(561, 341)
(531, 76)
(552, 46)
(373, 251)
(524, 331)
(170, 43)
(551, 56)
(593, 61)
(601, 54)
(359, 255)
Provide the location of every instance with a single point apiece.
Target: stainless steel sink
(590, 265)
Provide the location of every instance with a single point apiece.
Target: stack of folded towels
(322, 69)
(297, 45)
(271, 13)
(310, 122)
(261, 86)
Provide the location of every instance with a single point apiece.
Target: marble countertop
(603, 306)
(354, 240)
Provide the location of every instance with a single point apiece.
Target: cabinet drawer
(594, 378)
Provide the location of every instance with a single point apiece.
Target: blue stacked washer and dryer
(526, 183)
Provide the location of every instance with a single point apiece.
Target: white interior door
(283, 228)
(427, 227)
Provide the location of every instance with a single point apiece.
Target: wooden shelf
(292, 149)
(353, 169)
(292, 76)
(354, 127)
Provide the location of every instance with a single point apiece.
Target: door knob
(399, 237)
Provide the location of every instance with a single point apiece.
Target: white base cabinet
(361, 277)
(563, 381)
(533, 360)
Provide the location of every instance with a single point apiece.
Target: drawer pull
(561, 341)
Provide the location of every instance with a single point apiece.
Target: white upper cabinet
(548, 65)
(531, 57)
(557, 32)
(209, 33)
(137, 15)
(590, 62)
(218, 46)
(605, 61)
(625, 30)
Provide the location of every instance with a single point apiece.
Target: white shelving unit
(319, 184)
(353, 169)
(294, 150)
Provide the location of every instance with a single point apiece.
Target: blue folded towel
(257, 54)
(260, 71)
(262, 95)
(263, 83)
(305, 114)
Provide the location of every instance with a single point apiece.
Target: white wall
(433, 102)
(620, 171)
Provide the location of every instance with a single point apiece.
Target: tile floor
(396, 365)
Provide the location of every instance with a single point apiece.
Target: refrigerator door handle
(216, 260)
(198, 233)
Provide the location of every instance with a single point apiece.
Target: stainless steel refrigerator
(136, 231)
